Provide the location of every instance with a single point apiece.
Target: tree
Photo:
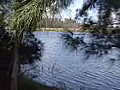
(26, 15)
(105, 9)
(100, 45)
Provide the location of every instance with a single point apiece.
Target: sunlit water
(71, 70)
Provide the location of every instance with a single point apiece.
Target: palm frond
(27, 16)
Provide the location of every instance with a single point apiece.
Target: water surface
(72, 71)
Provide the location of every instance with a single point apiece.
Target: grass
(28, 84)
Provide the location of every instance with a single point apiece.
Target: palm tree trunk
(15, 69)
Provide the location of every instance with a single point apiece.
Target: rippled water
(72, 71)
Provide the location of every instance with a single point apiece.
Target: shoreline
(26, 83)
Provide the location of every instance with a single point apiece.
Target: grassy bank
(28, 84)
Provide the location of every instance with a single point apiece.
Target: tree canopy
(105, 10)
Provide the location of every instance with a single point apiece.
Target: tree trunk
(15, 69)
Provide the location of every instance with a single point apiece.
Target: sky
(71, 11)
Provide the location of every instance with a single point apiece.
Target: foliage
(99, 46)
(29, 84)
(29, 12)
(2, 23)
(24, 20)
(105, 9)
(97, 4)
(70, 42)
(6, 38)
(31, 49)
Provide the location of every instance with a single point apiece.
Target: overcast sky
(70, 13)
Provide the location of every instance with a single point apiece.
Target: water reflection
(72, 42)
(31, 49)
(91, 43)
(71, 71)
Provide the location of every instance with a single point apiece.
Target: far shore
(110, 30)
(59, 29)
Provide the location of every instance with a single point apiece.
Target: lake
(71, 70)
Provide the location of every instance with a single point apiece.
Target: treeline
(58, 23)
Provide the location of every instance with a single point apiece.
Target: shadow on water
(94, 44)
(31, 49)
(66, 70)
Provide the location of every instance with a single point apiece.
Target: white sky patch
(71, 11)
(93, 14)
(113, 15)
